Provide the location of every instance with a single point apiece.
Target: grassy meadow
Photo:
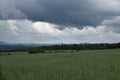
(62, 65)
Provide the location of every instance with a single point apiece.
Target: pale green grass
(82, 65)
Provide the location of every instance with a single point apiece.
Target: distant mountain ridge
(8, 46)
(3, 43)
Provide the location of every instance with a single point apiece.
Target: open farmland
(64, 65)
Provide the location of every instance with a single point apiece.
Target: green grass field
(67, 65)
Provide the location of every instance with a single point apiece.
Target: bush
(9, 54)
(35, 51)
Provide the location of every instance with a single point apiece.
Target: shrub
(35, 51)
(41, 51)
(9, 54)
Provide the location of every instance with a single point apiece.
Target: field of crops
(66, 65)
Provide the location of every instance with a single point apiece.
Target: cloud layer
(26, 31)
(63, 12)
(59, 21)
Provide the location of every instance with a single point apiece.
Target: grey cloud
(61, 12)
(21, 31)
(8, 10)
(112, 24)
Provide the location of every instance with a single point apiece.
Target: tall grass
(2, 77)
(82, 65)
(0, 73)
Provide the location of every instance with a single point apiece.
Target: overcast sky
(60, 21)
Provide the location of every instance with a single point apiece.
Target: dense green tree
(76, 47)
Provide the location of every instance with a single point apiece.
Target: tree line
(76, 47)
(82, 46)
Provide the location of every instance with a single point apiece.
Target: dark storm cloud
(61, 12)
